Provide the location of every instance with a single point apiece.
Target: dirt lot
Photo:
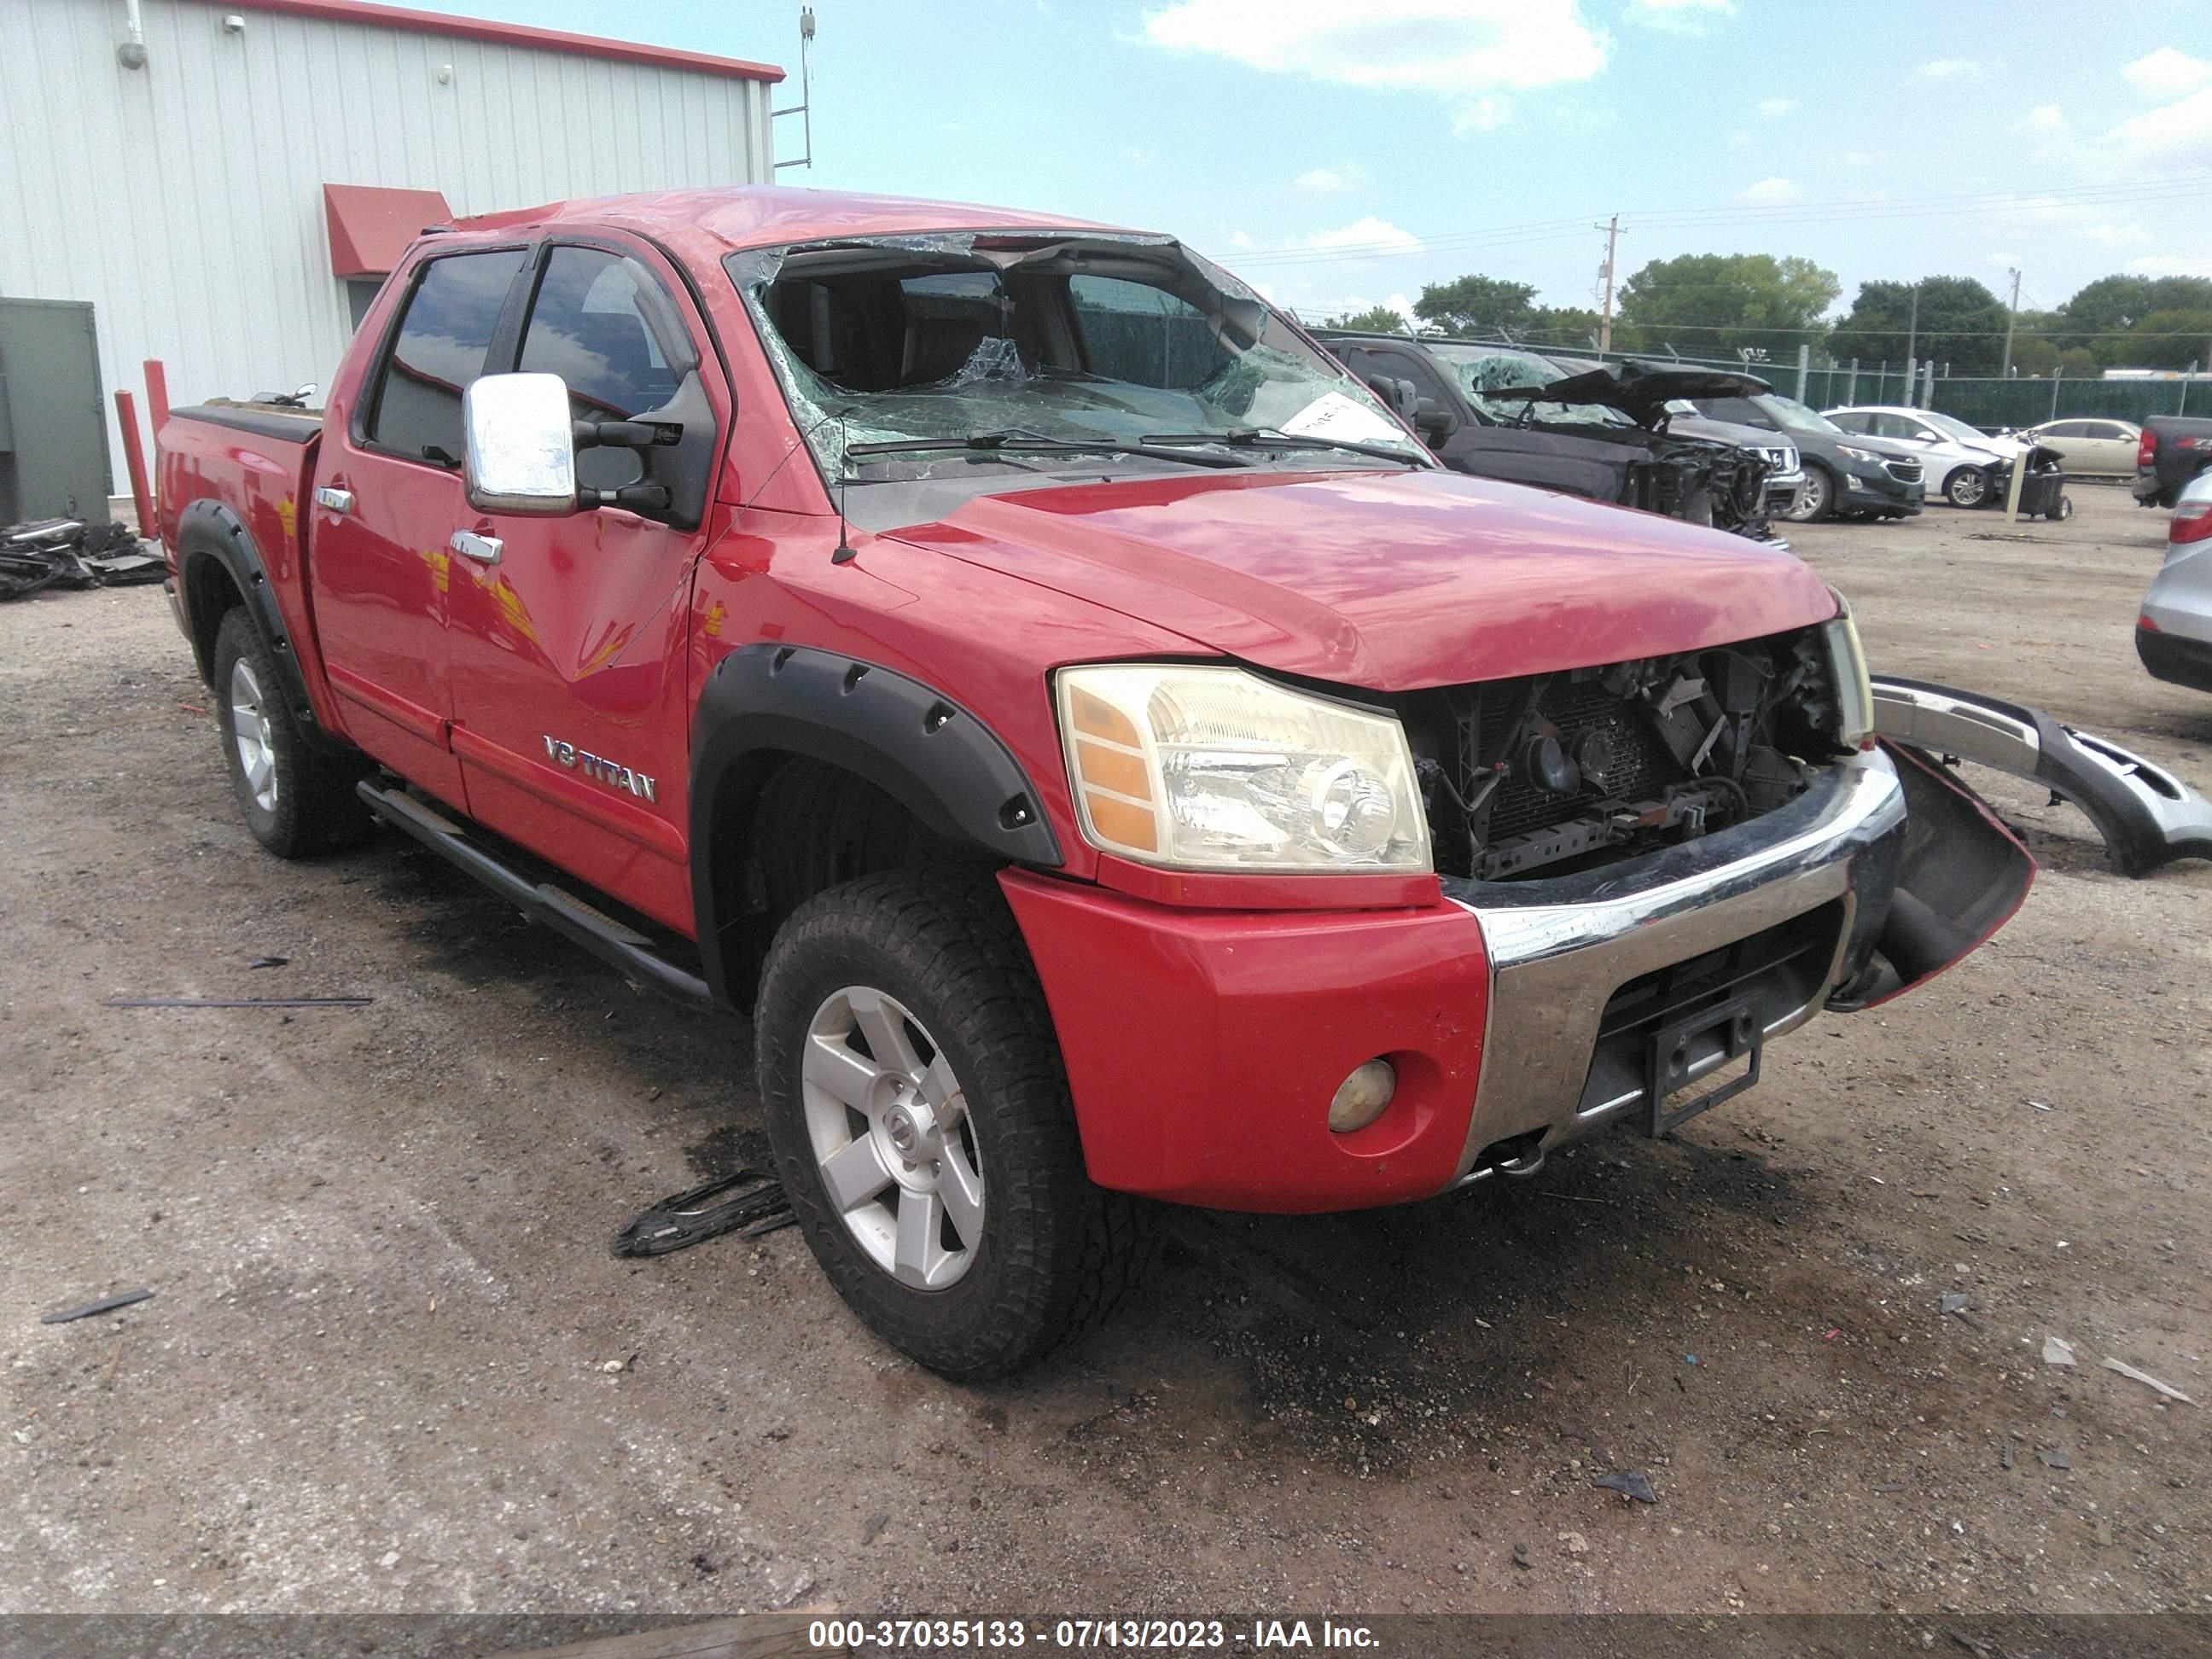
(390, 1365)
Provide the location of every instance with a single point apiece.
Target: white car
(2173, 636)
(2106, 447)
(1960, 462)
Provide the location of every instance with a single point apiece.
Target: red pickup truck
(1107, 757)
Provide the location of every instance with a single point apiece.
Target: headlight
(1216, 769)
(1854, 691)
(1866, 456)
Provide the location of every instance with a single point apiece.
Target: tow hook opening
(1519, 1155)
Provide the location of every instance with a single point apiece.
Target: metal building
(226, 181)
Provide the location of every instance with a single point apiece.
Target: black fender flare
(207, 530)
(764, 702)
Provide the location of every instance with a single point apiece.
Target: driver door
(571, 696)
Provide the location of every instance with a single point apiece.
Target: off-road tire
(1058, 1253)
(315, 808)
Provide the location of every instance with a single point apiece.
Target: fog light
(1361, 1098)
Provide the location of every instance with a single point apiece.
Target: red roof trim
(511, 34)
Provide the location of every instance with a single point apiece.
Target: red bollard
(157, 398)
(134, 454)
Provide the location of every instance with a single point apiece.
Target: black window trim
(365, 406)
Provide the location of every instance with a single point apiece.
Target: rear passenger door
(571, 712)
(387, 496)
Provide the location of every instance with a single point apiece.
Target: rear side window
(443, 337)
(1851, 422)
(1135, 333)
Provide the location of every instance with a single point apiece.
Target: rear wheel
(920, 1115)
(1816, 496)
(297, 800)
(1967, 486)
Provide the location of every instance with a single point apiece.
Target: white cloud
(1240, 239)
(1858, 158)
(1331, 181)
(1739, 136)
(1481, 115)
(1449, 48)
(2174, 265)
(2167, 73)
(1950, 68)
(2045, 118)
(2113, 235)
(1772, 107)
(1368, 236)
(1771, 193)
(2179, 131)
(1678, 16)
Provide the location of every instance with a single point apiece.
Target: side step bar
(629, 951)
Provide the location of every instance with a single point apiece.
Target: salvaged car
(1593, 429)
(1846, 476)
(1103, 752)
(2174, 449)
(2173, 633)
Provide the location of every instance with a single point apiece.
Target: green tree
(2161, 339)
(1379, 319)
(2078, 363)
(1962, 323)
(1477, 305)
(1716, 304)
(1567, 328)
(2102, 316)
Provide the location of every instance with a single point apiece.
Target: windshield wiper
(1267, 437)
(1025, 443)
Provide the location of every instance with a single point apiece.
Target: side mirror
(1433, 421)
(1400, 395)
(519, 446)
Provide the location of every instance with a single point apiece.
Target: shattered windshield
(1484, 371)
(1037, 342)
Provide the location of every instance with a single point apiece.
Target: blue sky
(1340, 155)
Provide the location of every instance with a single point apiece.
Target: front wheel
(920, 1115)
(1967, 486)
(1816, 497)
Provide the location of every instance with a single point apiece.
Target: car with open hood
(1500, 411)
(1095, 743)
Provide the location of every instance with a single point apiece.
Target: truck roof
(770, 216)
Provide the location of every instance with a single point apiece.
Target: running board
(629, 951)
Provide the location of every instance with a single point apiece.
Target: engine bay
(1556, 773)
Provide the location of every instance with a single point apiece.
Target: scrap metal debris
(72, 554)
(1632, 1486)
(269, 962)
(106, 1305)
(758, 1205)
(236, 1002)
(2145, 1378)
(2057, 1351)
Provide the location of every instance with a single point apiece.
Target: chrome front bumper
(1560, 950)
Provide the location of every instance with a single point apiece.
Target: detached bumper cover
(2147, 816)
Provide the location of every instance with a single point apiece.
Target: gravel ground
(390, 1364)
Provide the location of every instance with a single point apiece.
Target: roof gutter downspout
(131, 54)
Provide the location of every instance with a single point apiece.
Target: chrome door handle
(484, 549)
(338, 501)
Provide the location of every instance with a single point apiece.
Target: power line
(2108, 193)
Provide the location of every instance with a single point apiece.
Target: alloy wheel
(249, 730)
(889, 1127)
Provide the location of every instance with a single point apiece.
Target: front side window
(1028, 339)
(444, 335)
(600, 322)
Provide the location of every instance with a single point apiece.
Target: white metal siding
(184, 199)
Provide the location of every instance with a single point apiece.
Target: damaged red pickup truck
(1107, 755)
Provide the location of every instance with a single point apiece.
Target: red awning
(371, 225)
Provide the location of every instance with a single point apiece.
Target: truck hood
(1386, 581)
(1640, 391)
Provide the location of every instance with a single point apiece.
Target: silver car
(2173, 636)
(1962, 462)
(2102, 448)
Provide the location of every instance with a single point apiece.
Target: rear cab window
(444, 335)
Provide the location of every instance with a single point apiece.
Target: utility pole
(2005, 372)
(1912, 338)
(1612, 229)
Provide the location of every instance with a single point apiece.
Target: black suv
(1845, 473)
(1499, 410)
